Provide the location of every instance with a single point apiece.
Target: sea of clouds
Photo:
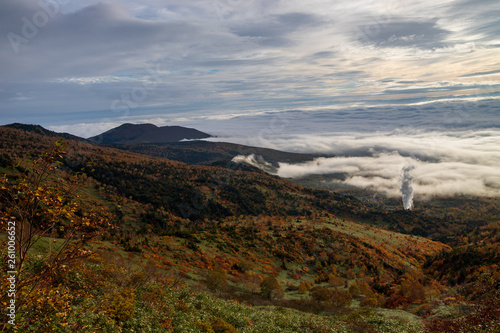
(453, 147)
(444, 164)
(452, 152)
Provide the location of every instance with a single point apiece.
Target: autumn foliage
(108, 237)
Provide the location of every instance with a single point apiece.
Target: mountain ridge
(38, 129)
(147, 133)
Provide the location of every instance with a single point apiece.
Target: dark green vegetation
(178, 247)
(212, 153)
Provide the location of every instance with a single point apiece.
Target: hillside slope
(212, 153)
(211, 229)
(43, 131)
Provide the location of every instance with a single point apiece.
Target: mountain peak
(130, 125)
(147, 133)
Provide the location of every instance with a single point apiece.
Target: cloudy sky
(360, 78)
(68, 62)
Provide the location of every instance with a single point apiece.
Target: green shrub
(354, 290)
(271, 289)
(216, 325)
(341, 297)
(220, 326)
(369, 302)
(321, 294)
(119, 304)
(217, 280)
(302, 288)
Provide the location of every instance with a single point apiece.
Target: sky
(73, 62)
(360, 78)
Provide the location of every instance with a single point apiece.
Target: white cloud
(446, 164)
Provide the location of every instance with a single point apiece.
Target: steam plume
(406, 189)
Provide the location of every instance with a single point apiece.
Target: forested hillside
(128, 242)
(211, 153)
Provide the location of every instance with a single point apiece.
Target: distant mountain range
(148, 133)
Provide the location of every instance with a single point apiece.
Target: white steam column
(406, 189)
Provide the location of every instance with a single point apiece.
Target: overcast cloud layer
(68, 62)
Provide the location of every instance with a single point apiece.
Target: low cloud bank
(444, 164)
